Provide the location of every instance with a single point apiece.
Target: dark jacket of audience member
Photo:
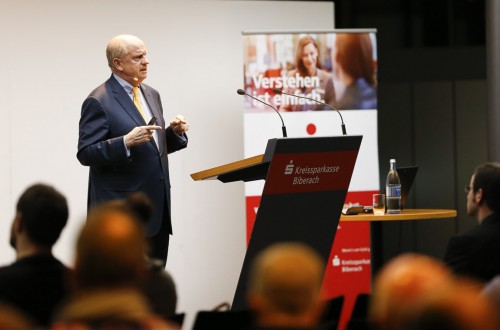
(36, 282)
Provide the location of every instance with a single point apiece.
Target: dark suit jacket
(476, 252)
(107, 115)
(36, 285)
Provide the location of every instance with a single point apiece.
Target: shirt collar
(125, 84)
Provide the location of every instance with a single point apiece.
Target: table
(376, 227)
(409, 214)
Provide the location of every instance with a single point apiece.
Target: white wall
(52, 56)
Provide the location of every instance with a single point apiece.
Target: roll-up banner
(317, 81)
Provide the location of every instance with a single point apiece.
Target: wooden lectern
(306, 185)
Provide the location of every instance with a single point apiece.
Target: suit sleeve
(174, 141)
(95, 148)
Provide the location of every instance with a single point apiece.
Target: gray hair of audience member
(110, 249)
(487, 177)
(403, 286)
(44, 212)
(286, 278)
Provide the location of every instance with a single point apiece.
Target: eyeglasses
(467, 188)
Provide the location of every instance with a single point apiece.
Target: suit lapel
(153, 106)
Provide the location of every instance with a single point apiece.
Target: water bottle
(393, 190)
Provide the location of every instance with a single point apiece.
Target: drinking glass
(378, 204)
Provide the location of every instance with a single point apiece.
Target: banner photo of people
(318, 84)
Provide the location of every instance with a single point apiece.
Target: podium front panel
(303, 196)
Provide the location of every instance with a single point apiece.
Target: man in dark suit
(36, 282)
(475, 253)
(124, 152)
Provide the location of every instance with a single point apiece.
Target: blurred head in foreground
(109, 267)
(284, 286)
(418, 292)
(110, 249)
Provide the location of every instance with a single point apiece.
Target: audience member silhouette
(109, 267)
(474, 253)
(284, 287)
(418, 292)
(37, 281)
(461, 308)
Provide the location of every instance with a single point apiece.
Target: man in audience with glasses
(475, 252)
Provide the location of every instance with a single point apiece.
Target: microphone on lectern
(279, 91)
(283, 128)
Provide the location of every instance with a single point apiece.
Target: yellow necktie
(137, 102)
